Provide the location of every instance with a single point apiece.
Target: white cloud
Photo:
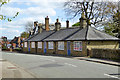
(31, 10)
(2, 29)
(9, 11)
(38, 11)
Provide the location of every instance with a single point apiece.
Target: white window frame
(39, 44)
(25, 44)
(77, 44)
(60, 45)
(50, 45)
(32, 44)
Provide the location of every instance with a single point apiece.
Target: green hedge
(111, 54)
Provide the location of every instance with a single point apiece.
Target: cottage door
(28, 46)
(44, 47)
(36, 47)
(68, 48)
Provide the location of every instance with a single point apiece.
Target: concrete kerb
(99, 61)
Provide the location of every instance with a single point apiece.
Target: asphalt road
(60, 67)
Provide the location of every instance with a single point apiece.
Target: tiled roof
(41, 36)
(91, 33)
(62, 34)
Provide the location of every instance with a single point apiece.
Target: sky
(31, 10)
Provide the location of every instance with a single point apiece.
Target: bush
(111, 54)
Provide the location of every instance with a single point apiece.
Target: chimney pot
(35, 23)
(67, 24)
(57, 20)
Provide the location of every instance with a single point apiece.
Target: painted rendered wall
(103, 44)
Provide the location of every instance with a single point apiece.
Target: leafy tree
(3, 17)
(96, 12)
(24, 34)
(113, 28)
(76, 24)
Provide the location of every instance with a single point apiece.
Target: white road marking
(70, 64)
(19, 54)
(111, 76)
(8, 53)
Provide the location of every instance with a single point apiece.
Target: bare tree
(96, 12)
(29, 26)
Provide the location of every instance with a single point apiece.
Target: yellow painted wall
(103, 44)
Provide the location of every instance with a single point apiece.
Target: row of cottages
(69, 41)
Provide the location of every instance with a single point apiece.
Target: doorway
(45, 47)
(68, 48)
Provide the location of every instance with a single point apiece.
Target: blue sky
(31, 10)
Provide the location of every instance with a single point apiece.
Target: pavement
(9, 70)
(99, 61)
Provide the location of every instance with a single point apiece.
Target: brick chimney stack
(67, 24)
(83, 23)
(57, 25)
(47, 24)
(39, 28)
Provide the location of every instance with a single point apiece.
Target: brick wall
(79, 53)
(40, 50)
(51, 51)
(25, 49)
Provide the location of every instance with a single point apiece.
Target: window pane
(50, 45)
(60, 45)
(25, 44)
(33, 45)
(77, 46)
(39, 44)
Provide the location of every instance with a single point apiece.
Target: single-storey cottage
(69, 41)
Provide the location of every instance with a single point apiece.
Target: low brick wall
(111, 54)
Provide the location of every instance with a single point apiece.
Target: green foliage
(113, 28)
(3, 17)
(108, 29)
(24, 35)
(76, 24)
